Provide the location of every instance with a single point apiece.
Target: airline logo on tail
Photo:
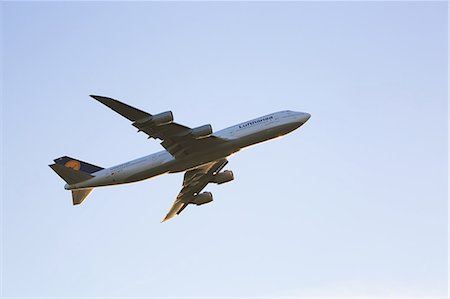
(74, 164)
(77, 164)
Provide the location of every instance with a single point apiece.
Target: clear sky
(354, 203)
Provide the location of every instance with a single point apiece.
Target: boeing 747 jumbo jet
(199, 152)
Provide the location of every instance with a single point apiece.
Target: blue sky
(352, 204)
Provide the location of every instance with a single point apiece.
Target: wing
(194, 181)
(178, 140)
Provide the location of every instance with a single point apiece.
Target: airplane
(199, 152)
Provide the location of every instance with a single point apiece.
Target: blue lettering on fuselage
(257, 121)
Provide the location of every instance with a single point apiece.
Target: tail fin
(70, 175)
(75, 171)
(77, 164)
(79, 195)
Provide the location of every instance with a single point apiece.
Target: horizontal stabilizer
(78, 196)
(70, 175)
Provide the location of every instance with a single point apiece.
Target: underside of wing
(195, 181)
(176, 209)
(180, 141)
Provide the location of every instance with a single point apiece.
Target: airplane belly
(145, 174)
(198, 159)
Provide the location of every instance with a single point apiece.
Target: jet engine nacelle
(201, 132)
(223, 177)
(156, 120)
(202, 198)
(162, 118)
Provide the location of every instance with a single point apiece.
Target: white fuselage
(237, 137)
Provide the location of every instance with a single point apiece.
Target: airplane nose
(303, 117)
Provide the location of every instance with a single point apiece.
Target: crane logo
(74, 164)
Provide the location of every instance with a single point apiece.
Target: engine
(201, 132)
(162, 118)
(155, 120)
(202, 198)
(223, 177)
